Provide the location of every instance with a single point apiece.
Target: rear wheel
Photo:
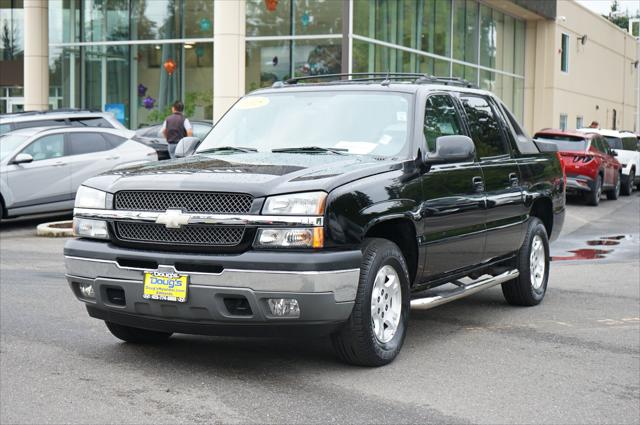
(532, 262)
(375, 331)
(614, 193)
(627, 188)
(136, 335)
(593, 197)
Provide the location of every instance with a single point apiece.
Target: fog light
(88, 228)
(86, 290)
(284, 307)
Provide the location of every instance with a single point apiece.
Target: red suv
(590, 165)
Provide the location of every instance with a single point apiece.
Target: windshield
(352, 122)
(565, 143)
(9, 143)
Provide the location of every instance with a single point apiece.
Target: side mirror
(452, 149)
(186, 146)
(22, 158)
(613, 153)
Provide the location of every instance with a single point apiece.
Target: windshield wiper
(228, 148)
(311, 149)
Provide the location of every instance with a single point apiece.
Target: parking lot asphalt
(573, 359)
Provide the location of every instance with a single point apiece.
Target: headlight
(290, 238)
(87, 197)
(87, 228)
(309, 203)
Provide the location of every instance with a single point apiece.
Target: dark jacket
(175, 127)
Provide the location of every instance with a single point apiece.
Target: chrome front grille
(186, 235)
(193, 202)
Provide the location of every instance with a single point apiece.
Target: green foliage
(191, 101)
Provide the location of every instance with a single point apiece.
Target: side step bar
(444, 297)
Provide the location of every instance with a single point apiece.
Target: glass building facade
(138, 56)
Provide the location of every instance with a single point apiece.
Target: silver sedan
(42, 168)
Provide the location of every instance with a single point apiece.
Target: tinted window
(485, 129)
(565, 143)
(630, 143)
(40, 123)
(46, 147)
(153, 132)
(614, 142)
(80, 143)
(90, 122)
(5, 128)
(599, 144)
(440, 119)
(113, 140)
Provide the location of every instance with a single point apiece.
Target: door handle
(113, 157)
(60, 164)
(478, 183)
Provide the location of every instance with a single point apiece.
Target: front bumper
(324, 283)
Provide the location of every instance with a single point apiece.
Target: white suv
(625, 145)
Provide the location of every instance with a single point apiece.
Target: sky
(603, 7)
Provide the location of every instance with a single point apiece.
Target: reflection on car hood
(260, 173)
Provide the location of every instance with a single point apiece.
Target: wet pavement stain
(593, 253)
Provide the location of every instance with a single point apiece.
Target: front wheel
(136, 335)
(532, 262)
(627, 188)
(375, 331)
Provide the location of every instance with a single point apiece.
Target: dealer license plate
(165, 286)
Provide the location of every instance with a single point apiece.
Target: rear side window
(630, 143)
(82, 143)
(440, 119)
(599, 144)
(484, 126)
(5, 128)
(90, 122)
(113, 140)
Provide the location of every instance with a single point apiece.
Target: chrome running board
(463, 290)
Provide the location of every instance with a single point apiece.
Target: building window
(563, 122)
(564, 62)
(579, 122)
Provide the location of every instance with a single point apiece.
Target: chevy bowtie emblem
(173, 219)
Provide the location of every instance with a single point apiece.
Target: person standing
(175, 127)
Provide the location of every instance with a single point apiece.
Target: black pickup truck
(329, 207)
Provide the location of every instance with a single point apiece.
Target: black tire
(136, 335)
(522, 291)
(627, 188)
(356, 342)
(614, 193)
(593, 197)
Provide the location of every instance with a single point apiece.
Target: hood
(259, 174)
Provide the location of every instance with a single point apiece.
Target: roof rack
(384, 77)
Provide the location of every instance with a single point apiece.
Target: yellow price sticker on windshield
(252, 102)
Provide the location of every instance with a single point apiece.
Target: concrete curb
(56, 229)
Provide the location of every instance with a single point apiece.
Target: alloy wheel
(386, 304)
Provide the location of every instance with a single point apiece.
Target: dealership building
(554, 63)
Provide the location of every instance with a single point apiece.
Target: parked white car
(625, 145)
(42, 168)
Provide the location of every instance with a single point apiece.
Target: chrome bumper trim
(342, 283)
(198, 218)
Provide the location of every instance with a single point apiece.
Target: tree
(618, 17)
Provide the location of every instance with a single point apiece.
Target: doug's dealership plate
(165, 286)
